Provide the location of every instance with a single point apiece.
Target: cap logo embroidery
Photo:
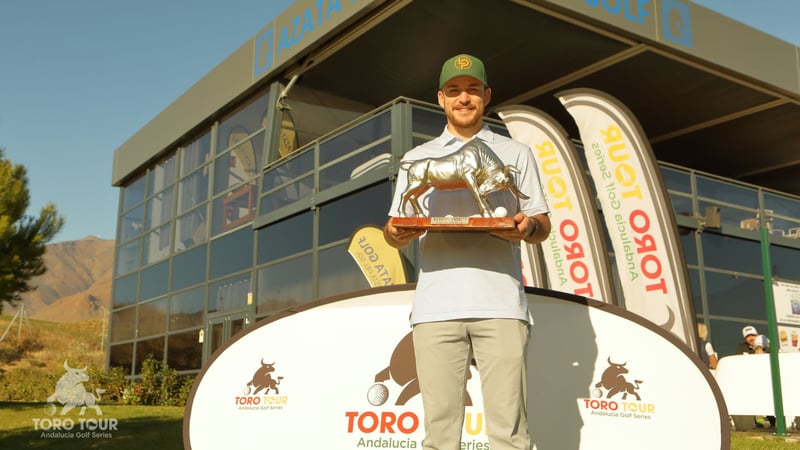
(463, 63)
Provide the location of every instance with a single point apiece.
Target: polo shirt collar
(447, 138)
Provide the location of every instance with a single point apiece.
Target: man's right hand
(400, 237)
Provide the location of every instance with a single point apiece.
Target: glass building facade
(252, 214)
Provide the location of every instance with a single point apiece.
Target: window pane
(783, 206)
(133, 194)
(131, 224)
(726, 192)
(287, 237)
(736, 296)
(725, 252)
(355, 138)
(689, 245)
(232, 253)
(152, 317)
(338, 219)
(184, 351)
(154, 280)
(193, 190)
(285, 284)
(154, 347)
(162, 175)
(125, 290)
(676, 180)
(338, 272)
(681, 205)
(123, 323)
(281, 174)
(245, 121)
(159, 209)
(196, 154)
(121, 355)
(288, 194)
(375, 158)
(192, 228)
(427, 122)
(235, 208)
(157, 244)
(239, 165)
(189, 268)
(229, 294)
(694, 285)
(785, 262)
(186, 309)
(128, 257)
(729, 215)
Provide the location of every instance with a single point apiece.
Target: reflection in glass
(785, 263)
(375, 158)
(191, 228)
(338, 272)
(121, 355)
(234, 209)
(676, 180)
(157, 244)
(735, 296)
(128, 257)
(186, 309)
(154, 280)
(232, 253)
(245, 121)
(133, 193)
(340, 218)
(229, 294)
(189, 268)
(726, 192)
(355, 138)
(240, 164)
(149, 347)
(193, 190)
(184, 351)
(162, 175)
(152, 317)
(286, 195)
(131, 224)
(123, 323)
(287, 237)
(196, 154)
(159, 209)
(726, 252)
(285, 284)
(125, 290)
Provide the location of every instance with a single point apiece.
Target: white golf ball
(377, 394)
(500, 212)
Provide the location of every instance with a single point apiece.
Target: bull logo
(613, 379)
(71, 393)
(402, 369)
(263, 379)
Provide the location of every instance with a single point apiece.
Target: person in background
(707, 352)
(753, 342)
(469, 299)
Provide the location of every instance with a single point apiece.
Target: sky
(78, 78)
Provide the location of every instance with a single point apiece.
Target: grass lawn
(161, 428)
(137, 427)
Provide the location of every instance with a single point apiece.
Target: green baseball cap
(462, 64)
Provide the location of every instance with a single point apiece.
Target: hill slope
(77, 284)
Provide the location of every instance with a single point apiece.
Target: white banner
(341, 374)
(575, 255)
(637, 211)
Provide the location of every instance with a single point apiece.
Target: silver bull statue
(474, 167)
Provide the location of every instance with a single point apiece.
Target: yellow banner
(380, 263)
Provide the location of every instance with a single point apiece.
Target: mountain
(77, 284)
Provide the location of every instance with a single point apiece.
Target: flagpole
(772, 331)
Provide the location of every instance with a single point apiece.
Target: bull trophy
(474, 167)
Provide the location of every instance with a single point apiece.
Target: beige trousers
(443, 351)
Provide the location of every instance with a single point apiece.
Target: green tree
(22, 237)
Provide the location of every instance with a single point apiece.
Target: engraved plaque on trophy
(474, 167)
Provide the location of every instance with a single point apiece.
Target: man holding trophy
(470, 196)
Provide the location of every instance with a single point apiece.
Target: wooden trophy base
(454, 223)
